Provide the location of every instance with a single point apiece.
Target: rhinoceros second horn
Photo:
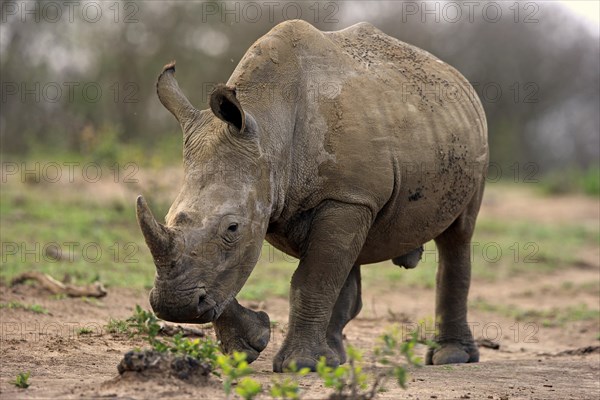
(171, 96)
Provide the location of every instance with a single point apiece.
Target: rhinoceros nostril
(182, 218)
(206, 307)
(201, 295)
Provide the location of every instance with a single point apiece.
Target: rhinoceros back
(379, 122)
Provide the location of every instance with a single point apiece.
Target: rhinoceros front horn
(157, 236)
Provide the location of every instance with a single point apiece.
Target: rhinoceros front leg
(346, 308)
(243, 330)
(456, 344)
(336, 235)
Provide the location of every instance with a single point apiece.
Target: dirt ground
(534, 361)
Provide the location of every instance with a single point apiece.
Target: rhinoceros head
(214, 230)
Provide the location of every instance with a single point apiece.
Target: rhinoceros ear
(227, 107)
(173, 99)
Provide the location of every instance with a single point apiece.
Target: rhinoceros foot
(243, 330)
(303, 355)
(336, 343)
(453, 353)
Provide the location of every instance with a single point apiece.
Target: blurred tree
(65, 82)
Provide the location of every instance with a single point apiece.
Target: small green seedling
(144, 322)
(393, 349)
(287, 388)
(35, 308)
(348, 380)
(233, 368)
(22, 380)
(248, 388)
(117, 326)
(203, 350)
(84, 331)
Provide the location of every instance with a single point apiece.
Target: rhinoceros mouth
(208, 310)
(189, 305)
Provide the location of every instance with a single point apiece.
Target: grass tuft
(35, 308)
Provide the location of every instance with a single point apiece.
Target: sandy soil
(534, 361)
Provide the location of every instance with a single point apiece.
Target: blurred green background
(535, 68)
(79, 87)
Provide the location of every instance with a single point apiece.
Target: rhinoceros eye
(232, 227)
(231, 235)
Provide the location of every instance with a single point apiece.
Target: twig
(172, 330)
(55, 287)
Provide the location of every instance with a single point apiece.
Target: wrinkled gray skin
(341, 149)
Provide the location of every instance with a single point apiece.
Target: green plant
(141, 323)
(348, 380)
(287, 388)
(144, 322)
(22, 380)
(35, 308)
(232, 368)
(84, 331)
(248, 388)
(118, 326)
(205, 350)
(393, 349)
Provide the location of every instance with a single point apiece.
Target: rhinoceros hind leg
(453, 353)
(346, 308)
(409, 260)
(455, 340)
(243, 330)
